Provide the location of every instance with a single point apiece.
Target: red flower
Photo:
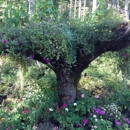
(25, 111)
(35, 106)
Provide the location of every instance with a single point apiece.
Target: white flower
(50, 109)
(66, 109)
(96, 119)
(34, 128)
(94, 116)
(95, 127)
(75, 104)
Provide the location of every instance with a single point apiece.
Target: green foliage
(74, 114)
(39, 98)
(43, 9)
(57, 40)
(16, 15)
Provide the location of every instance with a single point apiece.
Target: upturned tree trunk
(67, 83)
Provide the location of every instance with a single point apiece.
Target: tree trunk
(67, 86)
(95, 3)
(126, 10)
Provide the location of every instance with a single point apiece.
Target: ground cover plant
(47, 95)
(36, 109)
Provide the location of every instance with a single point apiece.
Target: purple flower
(102, 112)
(98, 110)
(117, 122)
(125, 55)
(19, 42)
(7, 128)
(46, 60)
(126, 119)
(32, 57)
(7, 46)
(91, 114)
(48, 20)
(128, 122)
(4, 41)
(4, 54)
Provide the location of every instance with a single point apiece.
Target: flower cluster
(61, 107)
(99, 111)
(127, 120)
(112, 112)
(25, 111)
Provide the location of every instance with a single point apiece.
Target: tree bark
(67, 86)
(126, 10)
(95, 2)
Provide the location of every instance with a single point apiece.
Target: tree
(95, 2)
(67, 47)
(126, 10)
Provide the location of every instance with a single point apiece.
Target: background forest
(28, 89)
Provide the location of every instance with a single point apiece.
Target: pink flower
(10, 109)
(25, 111)
(64, 105)
(58, 109)
(85, 121)
(96, 96)
(63, 112)
(82, 95)
(77, 125)
(7, 128)
(4, 41)
(12, 126)
(56, 128)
